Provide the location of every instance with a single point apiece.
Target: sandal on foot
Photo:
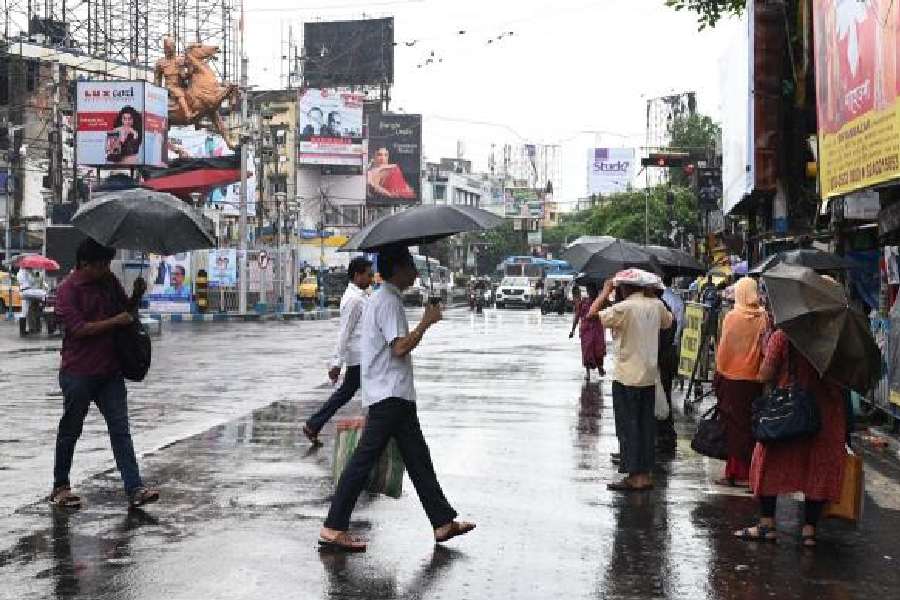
(142, 496)
(808, 541)
(763, 534)
(63, 497)
(457, 528)
(343, 542)
(725, 482)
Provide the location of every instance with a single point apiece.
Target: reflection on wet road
(520, 444)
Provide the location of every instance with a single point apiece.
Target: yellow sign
(858, 87)
(690, 339)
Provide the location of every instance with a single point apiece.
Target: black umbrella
(815, 314)
(144, 220)
(806, 257)
(617, 256)
(421, 225)
(581, 250)
(676, 262)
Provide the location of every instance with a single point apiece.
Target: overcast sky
(570, 66)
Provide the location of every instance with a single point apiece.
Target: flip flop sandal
(456, 529)
(64, 498)
(142, 496)
(808, 541)
(762, 534)
(343, 543)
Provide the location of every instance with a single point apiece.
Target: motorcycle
(555, 301)
(477, 301)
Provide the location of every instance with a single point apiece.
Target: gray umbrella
(421, 225)
(144, 220)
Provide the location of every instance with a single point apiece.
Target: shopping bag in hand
(387, 475)
(853, 491)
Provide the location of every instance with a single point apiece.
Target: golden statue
(195, 92)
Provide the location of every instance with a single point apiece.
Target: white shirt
(347, 349)
(383, 374)
(636, 322)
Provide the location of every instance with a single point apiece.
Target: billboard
(169, 283)
(523, 203)
(610, 170)
(331, 128)
(222, 268)
(348, 53)
(120, 123)
(394, 172)
(189, 142)
(856, 60)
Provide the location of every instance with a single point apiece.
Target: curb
(311, 315)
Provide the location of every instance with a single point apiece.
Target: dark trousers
(635, 427)
(339, 398)
(812, 509)
(668, 368)
(110, 396)
(391, 418)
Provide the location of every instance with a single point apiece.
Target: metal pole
(242, 222)
(321, 286)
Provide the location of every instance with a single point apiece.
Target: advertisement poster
(331, 128)
(169, 283)
(690, 339)
(394, 172)
(120, 123)
(189, 142)
(524, 203)
(610, 170)
(222, 268)
(856, 54)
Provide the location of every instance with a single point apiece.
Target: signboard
(610, 170)
(120, 123)
(331, 128)
(535, 238)
(222, 268)
(690, 339)
(525, 203)
(348, 53)
(862, 206)
(394, 172)
(169, 283)
(857, 92)
(189, 142)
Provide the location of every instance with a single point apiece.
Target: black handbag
(133, 346)
(786, 413)
(709, 439)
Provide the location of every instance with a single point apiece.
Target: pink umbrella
(36, 261)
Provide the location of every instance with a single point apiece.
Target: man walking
(389, 394)
(636, 320)
(347, 350)
(91, 305)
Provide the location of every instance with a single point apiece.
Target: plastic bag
(661, 409)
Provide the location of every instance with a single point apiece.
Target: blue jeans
(110, 395)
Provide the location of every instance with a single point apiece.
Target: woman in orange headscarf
(739, 355)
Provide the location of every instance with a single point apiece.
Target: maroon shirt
(80, 301)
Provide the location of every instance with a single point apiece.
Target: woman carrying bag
(813, 465)
(738, 359)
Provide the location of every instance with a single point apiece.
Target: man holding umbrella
(389, 394)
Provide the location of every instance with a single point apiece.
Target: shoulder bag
(787, 413)
(709, 439)
(133, 346)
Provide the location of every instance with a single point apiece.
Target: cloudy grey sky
(572, 66)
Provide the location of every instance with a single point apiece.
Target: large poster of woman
(393, 173)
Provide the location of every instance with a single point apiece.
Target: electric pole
(321, 286)
(242, 222)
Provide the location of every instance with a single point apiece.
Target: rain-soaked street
(521, 445)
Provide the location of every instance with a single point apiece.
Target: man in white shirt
(347, 350)
(636, 320)
(389, 394)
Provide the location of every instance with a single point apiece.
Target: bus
(532, 267)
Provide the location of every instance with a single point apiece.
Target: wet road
(519, 442)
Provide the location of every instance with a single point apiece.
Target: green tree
(497, 244)
(709, 12)
(697, 134)
(623, 215)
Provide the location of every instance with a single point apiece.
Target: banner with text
(169, 283)
(331, 128)
(857, 81)
(610, 170)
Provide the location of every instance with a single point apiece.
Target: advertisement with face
(609, 170)
(120, 123)
(856, 60)
(330, 127)
(169, 283)
(189, 142)
(222, 268)
(394, 172)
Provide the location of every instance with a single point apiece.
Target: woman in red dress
(814, 465)
(593, 336)
(386, 179)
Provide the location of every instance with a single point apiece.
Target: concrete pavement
(520, 445)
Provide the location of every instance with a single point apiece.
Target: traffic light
(666, 159)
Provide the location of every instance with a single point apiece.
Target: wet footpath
(520, 443)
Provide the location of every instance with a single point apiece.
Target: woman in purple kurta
(593, 337)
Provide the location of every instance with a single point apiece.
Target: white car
(517, 291)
